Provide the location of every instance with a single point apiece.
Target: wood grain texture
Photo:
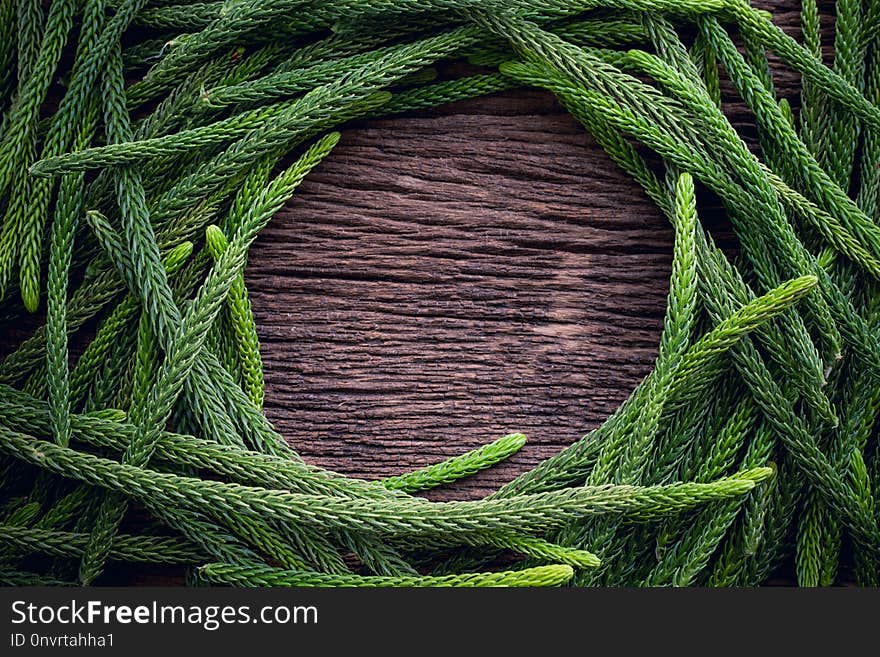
(449, 276)
(442, 280)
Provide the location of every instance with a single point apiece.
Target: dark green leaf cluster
(140, 191)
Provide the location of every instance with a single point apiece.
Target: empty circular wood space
(448, 277)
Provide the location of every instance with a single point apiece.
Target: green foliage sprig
(753, 441)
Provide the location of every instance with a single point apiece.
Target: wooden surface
(449, 276)
(442, 280)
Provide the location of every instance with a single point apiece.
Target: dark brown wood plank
(447, 277)
(442, 280)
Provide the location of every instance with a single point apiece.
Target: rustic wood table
(449, 276)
